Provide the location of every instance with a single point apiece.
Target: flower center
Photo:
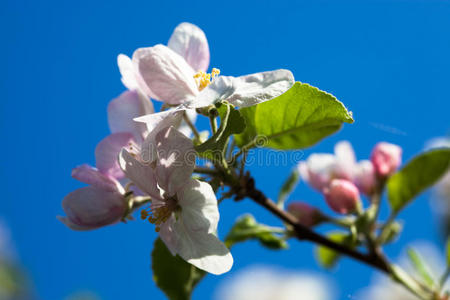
(159, 212)
(204, 79)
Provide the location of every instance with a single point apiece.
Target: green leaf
(328, 258)
(420, 173)
(174, 276)
(288, 186)
(420, 267)
(297, 119)
(231, 122)
(247, 228)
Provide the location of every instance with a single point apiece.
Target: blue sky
(388, 61)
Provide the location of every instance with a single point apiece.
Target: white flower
(175, 74)
(183, 209)
(264, 283)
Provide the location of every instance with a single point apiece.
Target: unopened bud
(306, 214)
(342, 196)
(386, 158)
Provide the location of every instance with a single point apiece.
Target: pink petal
(143, 176)
(176, 159)
(107, 153)
(92, 207)
(167, 74)
(190, 42)
(93, 176)
(126, 107)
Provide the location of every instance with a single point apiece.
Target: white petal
(190, 42)
(176, 160)
(131, 77)
(259, 87)
(344, 152)
(126, 107)
(155, 123)
(168, 235)
(192, 234)
(167, 74)
(143, 176)
(221, 88)
(245, 90)
(107, 151)
(345, 160)
(199, 206)
(320, 169)
(203, 250)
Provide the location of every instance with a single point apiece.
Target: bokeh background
(388, 61)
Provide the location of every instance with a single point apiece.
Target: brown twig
(375, 260)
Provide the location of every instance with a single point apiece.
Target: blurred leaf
(421, 267)
(391, 232)
(448, 251)
(231, 122)
(247, 228)
(420, 173)
(297, 119)
(288, 186)
(328, 258)
(174, 276)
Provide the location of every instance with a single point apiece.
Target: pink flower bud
(305, 213)
(92, 207)
(99, 204)
(342, 196)
(365, 178)
(386, 158)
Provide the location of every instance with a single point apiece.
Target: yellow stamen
(160, 214)
(204, 79)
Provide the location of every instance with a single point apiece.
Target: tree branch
(375, 260)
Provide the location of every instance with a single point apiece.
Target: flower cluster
(148, 159)
(341, 179)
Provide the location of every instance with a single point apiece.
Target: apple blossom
(320, 168)
(386, 158)
(176, 74)
(99, 204)
(171, 78)
(342, 196)
(184, 210)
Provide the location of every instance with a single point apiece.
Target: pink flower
(99, 204)
(386, 158)
(342, 196)
(306, 214)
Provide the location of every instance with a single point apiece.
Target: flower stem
(213, 122)
(191, 126)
